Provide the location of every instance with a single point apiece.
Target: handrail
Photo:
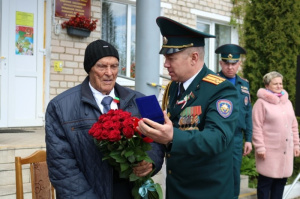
(291, 187)
(130, 78)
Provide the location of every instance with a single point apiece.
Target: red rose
(104, 135)
(104, 118)
(114, 135)
(108, 125)
(94, 128)
(124, 115)
(115, 118)
(128, 122)
(128, 132)
(147, 140)
(117, 125)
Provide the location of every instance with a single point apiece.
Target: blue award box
(150, 108)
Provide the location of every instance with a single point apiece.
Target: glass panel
(205, 28)
(114, 29)
(223, 36)
(133, 40)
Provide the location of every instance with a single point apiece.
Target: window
(206, 29)
(224, 35)
(118, 28)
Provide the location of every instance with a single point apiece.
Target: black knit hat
(97, 50)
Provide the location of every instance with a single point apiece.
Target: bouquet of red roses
(123, 147)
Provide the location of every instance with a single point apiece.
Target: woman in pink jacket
(275, 137)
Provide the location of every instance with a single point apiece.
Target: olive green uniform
(199, 161)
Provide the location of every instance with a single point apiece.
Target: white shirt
(187, 83)
(99, 97)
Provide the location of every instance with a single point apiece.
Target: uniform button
(168, 155)
(170, 172)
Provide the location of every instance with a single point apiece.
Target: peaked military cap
(230, 53)
(177, 36)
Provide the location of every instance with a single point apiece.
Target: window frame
(125, 80)
(212, 20)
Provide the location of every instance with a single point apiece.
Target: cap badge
(165, 40)
(230, 56)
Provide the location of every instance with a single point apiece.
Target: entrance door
(21, 63)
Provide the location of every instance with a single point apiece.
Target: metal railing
(291, 187)
(149, 83)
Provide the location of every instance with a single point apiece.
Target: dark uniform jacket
(75, 163)
(245, 107)
(199, 162)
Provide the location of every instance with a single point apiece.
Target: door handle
(2, 57)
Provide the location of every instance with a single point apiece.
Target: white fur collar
(271, 98)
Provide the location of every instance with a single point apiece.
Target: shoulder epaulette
(244, 79)
(165, 99)
(213, 79)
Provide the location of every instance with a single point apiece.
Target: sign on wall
(69, 8)
(24, 33)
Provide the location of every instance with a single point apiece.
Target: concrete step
(245, 191)
(7, 170)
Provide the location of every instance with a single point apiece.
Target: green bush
(248, 168)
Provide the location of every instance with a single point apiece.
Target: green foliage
(270, 34)
(272, 40)
(248, 168)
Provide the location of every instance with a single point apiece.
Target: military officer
(230, 63)
(200, 118)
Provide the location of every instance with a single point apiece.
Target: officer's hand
(159, 133)
(296, 152)
(142, 169)
(261, 155)
(247, 148)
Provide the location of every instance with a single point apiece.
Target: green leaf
(119, 158)
(131, 159)
(133, 177)
(159, 190)
(125, 174)
(135, 192)
(128, 153)
(148, 159)
(124, 166)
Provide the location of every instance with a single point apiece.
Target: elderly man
(230, 63)
(75, 164)
(201, 116)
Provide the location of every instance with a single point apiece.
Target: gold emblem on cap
(230, 56)
(165, 40)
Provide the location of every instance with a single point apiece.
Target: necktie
(106, 103)
(181, 90)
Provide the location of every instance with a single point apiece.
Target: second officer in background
(230, 63)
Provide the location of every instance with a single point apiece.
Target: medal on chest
(190, 118)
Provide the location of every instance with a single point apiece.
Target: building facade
(34, 71)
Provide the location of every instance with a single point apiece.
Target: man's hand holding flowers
(142, 169)
(125, 149)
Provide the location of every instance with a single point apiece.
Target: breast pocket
(244, 100)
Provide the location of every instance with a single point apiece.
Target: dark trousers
(270, 188)
(237, 162)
